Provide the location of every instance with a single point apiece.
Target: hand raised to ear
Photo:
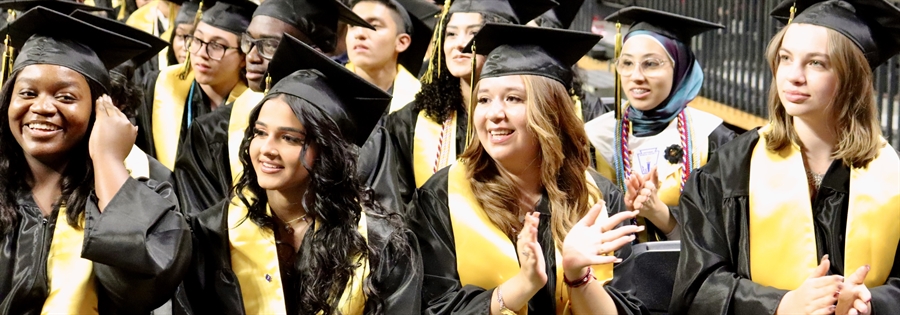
(113, 135)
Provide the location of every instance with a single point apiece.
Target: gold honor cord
(268, 84)
(187, 46)
(618, 81)
(8, 53)
(437, 40)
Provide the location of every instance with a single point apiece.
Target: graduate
(300, 234)
(427, 135)
(80, 236)
(519, 224)
(212, 78)
(652, 150)
(208, 162)
(184, 27)
(803, 214)
(388, 55)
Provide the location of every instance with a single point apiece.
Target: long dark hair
(77, 180)
(336, 197)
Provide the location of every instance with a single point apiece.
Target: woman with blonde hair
(803, 215)
(510, 227)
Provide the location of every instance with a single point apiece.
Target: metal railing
(733, 59)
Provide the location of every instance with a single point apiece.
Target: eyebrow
(56, 86)
(644, 55)
(467, 26)
(814, 54)
(288, 129)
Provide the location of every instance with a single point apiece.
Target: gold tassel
(173, 11)
(618, 81)
(437, 41)
(187, 59)
(8, 53)
(469, 106)
(268, 84)
(793, 11)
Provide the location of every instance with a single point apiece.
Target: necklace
(815, 179)
(287, 224)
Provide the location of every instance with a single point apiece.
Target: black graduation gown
(199, 105)
(212, 287)
(401, 127)
(429, 218)
(202, 166)
(713, 274)
(140, 246)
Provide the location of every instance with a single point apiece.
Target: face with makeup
(277, 148)
(646, 72)
(805, 76)
(461, 27)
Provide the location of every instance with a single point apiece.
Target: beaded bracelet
(580, 282)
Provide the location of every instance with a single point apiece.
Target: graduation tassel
(187, 59)
(471, 97)
(793, 11)
(618, 84)
(437, 41)
(268, 84)
(9, 52)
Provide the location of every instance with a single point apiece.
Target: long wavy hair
(853, 110)
(77, 179)
(564, 159)
(441, 97)
(332, 248)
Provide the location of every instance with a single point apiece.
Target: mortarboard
(230, 15)
(525, 50)
(425, 11)
(873, 25)
(674, 26)
(352, 102)
(155, 43)
(61, 6)
(514, 11)
(562, 15)
(319, 13)
(187, 13)
(44, 36)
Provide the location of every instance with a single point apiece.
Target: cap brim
(494, 35)
(672, 25)
(346, 15)
(155, 43)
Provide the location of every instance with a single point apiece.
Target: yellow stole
(426, 152)
(782, 235)
(670, 186)
(405, 87)
(170, 95)
(237, 125)
(254, 260)
(144, 18)
(485, 256)
(70, 277)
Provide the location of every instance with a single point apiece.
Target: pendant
(289, 229)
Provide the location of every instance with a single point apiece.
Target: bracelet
(503, 309)
(580, 282)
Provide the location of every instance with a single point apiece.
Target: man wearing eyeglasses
(207, 163)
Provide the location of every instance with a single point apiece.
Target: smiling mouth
(42, 126)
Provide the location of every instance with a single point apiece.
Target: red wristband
(582, 281)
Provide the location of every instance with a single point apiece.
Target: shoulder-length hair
(564, 159)
(853, 109)
(77, 179)
(333, 247)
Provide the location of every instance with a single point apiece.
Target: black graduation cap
(61, 6)
(674, 26)
(420, 35)
(562, 15)
(352, 102)
(321, 13)
(425, 11)
(156, 44)
(187, 12)
(230, 15)
(873, 25)
(518, 49)
(515, 11)
(44, 36)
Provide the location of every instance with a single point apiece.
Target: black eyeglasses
(265, 47)
(214, 50)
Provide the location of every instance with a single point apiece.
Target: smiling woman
(80, 235)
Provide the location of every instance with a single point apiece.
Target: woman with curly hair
(79, 235)
(301, 235)
(802, 216)
(426, 134)
(520, 223)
